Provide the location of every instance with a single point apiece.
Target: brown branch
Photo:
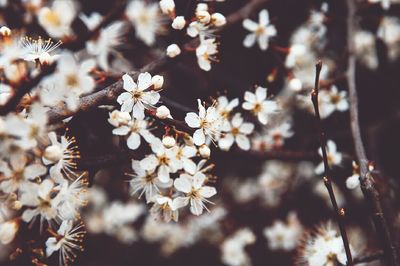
(109, 94)
(369, 257)
(24, 88)
(327, 178)
(366, 179)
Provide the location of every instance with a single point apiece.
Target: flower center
(72, 80)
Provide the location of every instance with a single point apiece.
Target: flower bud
(8, 231)
(179, 23)
(167, 6)
(202, 7)
(157, 81)
(53, 153)
(173, 50)
(117, 117)
(168, 141)
(203, 17)
(218, 20)
(204, 151)
(163, 112)
(5, 31)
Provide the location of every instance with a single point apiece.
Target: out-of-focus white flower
(261, 31)
(324, 247)
(39, 49)
(236, 131)
(206, 53)
(195, 192)
(173, 50)
(118, 118)
(295, 84)
(40, 198)
(164, 207)
(353, 181)
(138, 96)
(258, 104)
(146, 20)
(5, 31)
(208, 123)
(332, 100)
(108, 40)
(389, 32)
(18, 171)
(179, 23)
(5, 93)
(57, 19)
(233, 248)
(67, 241)
(283, 235)
(167, 7)
(365, 48)
(334, 157)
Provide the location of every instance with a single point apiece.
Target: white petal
(34, 170)
(243, 142)
(193, 120)
(133, 141)
(198, 137)
(163, 174)
(207, 192)
(129, 84)
(263, 17)
(183, 184)
(249, 40)
(249, 25)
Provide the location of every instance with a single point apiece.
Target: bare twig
(366, 179)
(369, 257)
(24, 88)
(327, 178)
(109, 94)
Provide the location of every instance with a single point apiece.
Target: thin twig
(327, 178)
(369, 257)
(366, 179)
(24, 88)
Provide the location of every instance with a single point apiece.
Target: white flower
(167, 6)
(261, 31)
(145, 18)
(18, 171)
(72, 79)
(233, 248)
(389, 32)
(71, 197)
(236, 131)
(225, 107)
(67, 241)
(257, 103)
(39, 196)
(57, 20)
(145, 182)
(164, 207)
(206, 53)
(207, 121)
(332, 100)
(164, 159)
(138, 96)
(39, 49)
(283, 235)
(105, 44)
(118, 118)
(334, 157)
(136, 128)
(365, 48)
(173, 50)
(195, 192)
(61, 155)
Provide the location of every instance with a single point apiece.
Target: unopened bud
(8, 231)
(179, 23)
(201, 7)
(168, 141)
(163, 112)
(53, 153)
(204, 151)
(5, 31)
(157, 81)
(203, 17)
(173, 50)
(218, 20)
